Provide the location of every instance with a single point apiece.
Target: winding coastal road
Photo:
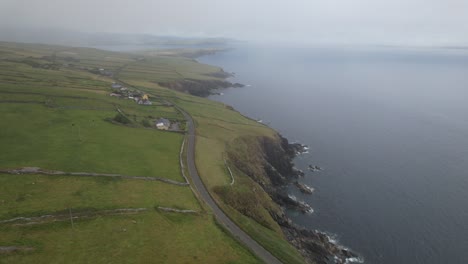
(221, 217)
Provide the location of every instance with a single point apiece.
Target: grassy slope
(143, 238)
(217, 127)
(31, 194)
(154, 238)
(38, 107)
(80, 140)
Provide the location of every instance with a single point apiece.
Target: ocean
(389, 127)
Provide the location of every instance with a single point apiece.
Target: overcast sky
(407, 22)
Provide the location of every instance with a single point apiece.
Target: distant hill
(76, 38)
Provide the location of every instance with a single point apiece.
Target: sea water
(389, 127)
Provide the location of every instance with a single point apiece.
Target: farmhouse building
(163, 124)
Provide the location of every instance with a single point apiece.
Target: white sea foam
(297, 169)
(309, 188)
(309, 208)
(354, 260)
(304, 204)
(334, 240)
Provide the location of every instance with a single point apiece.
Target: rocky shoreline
(274, 161)
(304, 188)
(315, 246)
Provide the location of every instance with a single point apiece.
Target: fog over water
(389, 128)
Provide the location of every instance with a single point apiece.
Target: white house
(144, 102)
(116, 86)
(163, 124)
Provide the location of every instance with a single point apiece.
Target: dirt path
(14, 249)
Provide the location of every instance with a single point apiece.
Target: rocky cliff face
(196, 87)
(201, 88)
(269, 162)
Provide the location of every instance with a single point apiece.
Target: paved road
(222, 218)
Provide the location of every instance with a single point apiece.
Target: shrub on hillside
(119, 118)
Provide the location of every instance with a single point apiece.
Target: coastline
(314, 245)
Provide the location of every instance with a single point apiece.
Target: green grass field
(146, 237)
(58, 116)
(32, 195)
(151, 237)
(81, 140)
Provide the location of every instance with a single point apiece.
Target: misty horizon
(363, 22)
(55, 36)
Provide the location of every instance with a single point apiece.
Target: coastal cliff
(196, 87)
(269, 162)
(202, 87)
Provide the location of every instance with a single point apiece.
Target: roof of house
(163, 121)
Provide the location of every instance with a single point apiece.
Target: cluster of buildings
(140, 98)
(123, 92)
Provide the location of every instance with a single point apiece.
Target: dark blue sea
(389, 127)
